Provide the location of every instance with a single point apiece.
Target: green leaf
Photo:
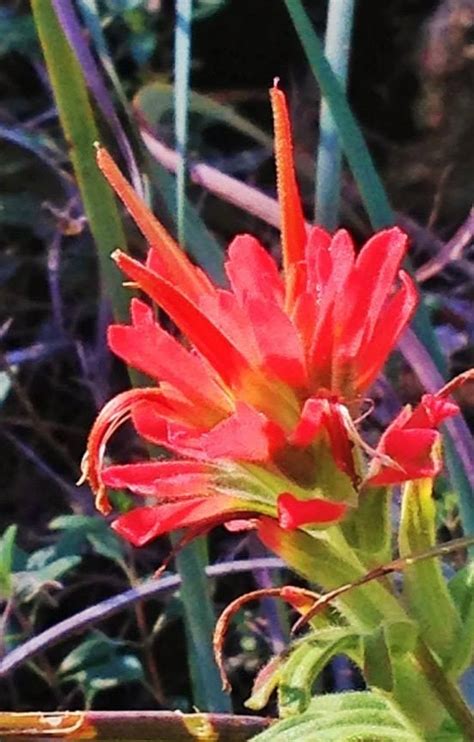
(344, 717)
(99, 663)
(29, 584)
(337, 45)
(265, 683)
(182, 65)
(307, 661)
(424, 586)
(155, 101)
(80, 130)
(7, 546)
(96, 531)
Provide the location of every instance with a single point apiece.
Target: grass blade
(329, 157)
(80, 130)
(355, 149)
(182, 63)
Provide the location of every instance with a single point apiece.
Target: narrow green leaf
(182, 65)
(200, 620)
(461, 588)
(265, 683)
(155, 100)
(329, 158)
(80, 131)
(7, 546)
(326, 560)
(424, 586)
(307, 661)
(370, 185)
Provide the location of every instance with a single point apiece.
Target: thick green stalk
(329, 157)
(80, 131)
(199, 617)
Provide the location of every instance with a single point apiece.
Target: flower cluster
(258, 407)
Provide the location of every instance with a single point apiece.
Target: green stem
(446, 690)
(182, 65)
(200, 621)
(329, 158)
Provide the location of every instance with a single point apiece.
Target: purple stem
(95, 81)
(82, 620)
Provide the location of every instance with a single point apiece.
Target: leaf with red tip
(293, 513)
(432, 411)
(377, 266)
(414, 450)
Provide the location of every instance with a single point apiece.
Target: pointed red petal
(390, 326)
(141, 525)
(175, 266)
(205, 336)
(293, 231)
(149, 348)
(278, 342)
(377, 266)
(293, 513)
(161, 479)
(252, 271)
(110, 418)
(246, 435)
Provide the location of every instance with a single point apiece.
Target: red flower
(256, 405)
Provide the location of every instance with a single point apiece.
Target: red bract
(256, 405)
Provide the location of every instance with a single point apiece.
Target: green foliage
(155, 102)
(98, 664)
(307, 661)
(17, 33)
(344, 717)
(424, 585)
(80, 529)
(7, 546)
(461, 588)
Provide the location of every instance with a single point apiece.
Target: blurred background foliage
(411, 87)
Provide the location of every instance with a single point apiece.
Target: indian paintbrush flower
(259, 408)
